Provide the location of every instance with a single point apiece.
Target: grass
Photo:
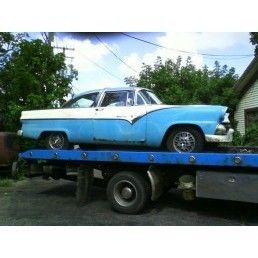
(6, 182)
(8, 179)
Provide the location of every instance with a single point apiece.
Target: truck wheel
(185, 139)
(56, 141)
(128, 192)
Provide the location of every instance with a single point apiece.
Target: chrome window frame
(104, 92)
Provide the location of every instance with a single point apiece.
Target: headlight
(220, 130)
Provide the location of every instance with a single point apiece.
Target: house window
(251, 116)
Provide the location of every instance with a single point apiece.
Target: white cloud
(89, 75)
(96, 83)
(176, 41)
(172, 40)
(107, 83)
(84, 51)
(133, 60)
(219, 40)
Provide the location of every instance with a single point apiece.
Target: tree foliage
(175, 83)
(31, 77)
(254, 41)
(8, 43)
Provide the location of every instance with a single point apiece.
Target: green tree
(254, 41)
(31, 77)
(175, 83)
(8, 43)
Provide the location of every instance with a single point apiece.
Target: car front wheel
(56, 141)
(185, 139)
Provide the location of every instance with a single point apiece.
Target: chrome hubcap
(125, 193)
(184, 142)
(56, 141)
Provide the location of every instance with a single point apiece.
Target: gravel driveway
(49, 202)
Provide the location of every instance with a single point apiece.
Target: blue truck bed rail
(146, 157)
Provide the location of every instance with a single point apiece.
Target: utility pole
(49, 38)
(64, 49)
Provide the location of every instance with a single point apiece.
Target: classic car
(127, 117)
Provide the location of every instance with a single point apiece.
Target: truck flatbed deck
(146, 157)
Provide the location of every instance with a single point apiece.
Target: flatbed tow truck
(135, 177)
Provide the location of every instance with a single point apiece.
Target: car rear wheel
(185, 139)
(56, 141)
(128, 192)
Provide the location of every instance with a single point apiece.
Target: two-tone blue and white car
(128, 117)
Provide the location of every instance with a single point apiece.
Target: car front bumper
(220, 138)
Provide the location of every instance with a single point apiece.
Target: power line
(226, 58)
(183, 51)
(110, 50)
(103, 68)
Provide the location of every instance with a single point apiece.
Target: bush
(249, 139)
(251, 135)
(238, 139)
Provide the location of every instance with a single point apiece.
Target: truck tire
(185, 139)
(128, 192)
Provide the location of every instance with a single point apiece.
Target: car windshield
(149, 97)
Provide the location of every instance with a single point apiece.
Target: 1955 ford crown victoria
(129, 117)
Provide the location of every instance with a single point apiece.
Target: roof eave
(249, 75)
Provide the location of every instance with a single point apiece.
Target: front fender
(160, 121)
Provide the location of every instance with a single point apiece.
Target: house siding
(248, 100)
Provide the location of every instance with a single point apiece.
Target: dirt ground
(48, 202)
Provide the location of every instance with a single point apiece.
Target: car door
(118, 121)
(81, 110)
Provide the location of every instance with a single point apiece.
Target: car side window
(115, 99)
(139, 100)
(85, 101)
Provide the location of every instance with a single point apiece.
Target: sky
(99, 68)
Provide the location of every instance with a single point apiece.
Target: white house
(247, 87)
